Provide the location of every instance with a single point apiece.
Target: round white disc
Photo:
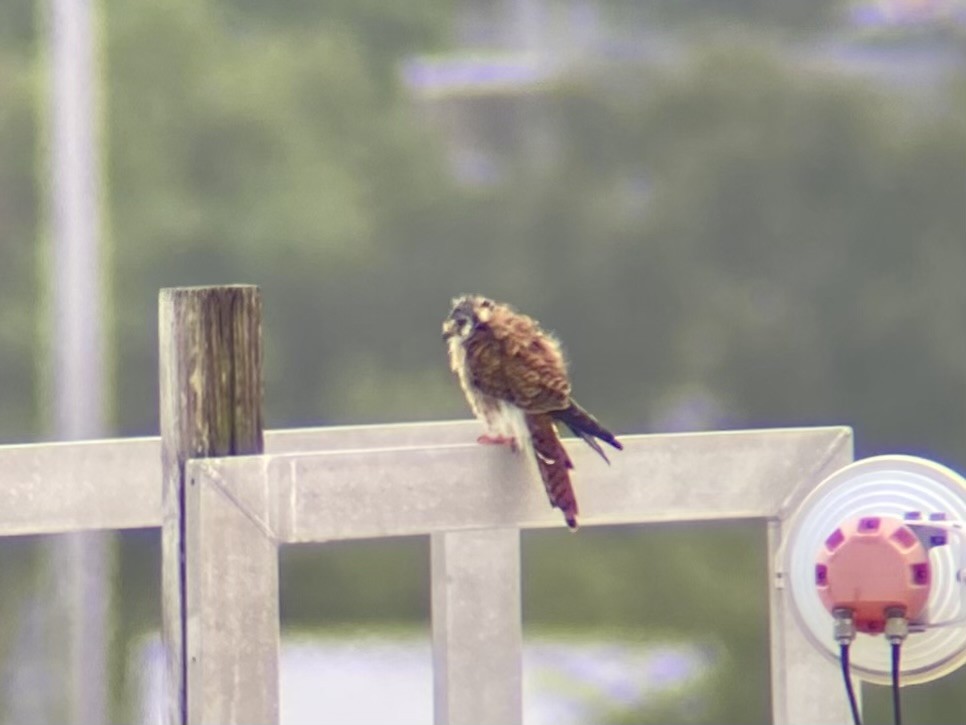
(884, 486)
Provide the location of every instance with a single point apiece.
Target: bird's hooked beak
(449, 329)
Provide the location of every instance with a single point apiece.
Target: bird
(514, 376)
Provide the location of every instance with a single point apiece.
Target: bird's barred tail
(554, 464)
(585, 426)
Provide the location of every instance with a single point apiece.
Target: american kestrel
(515, 379)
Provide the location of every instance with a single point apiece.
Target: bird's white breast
(499, 417)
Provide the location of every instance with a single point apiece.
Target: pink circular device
(870, 564)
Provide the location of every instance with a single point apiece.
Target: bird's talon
(491, 440)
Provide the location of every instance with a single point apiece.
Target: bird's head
(469, 311)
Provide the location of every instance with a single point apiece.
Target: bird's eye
(488, 304)
(462, 323)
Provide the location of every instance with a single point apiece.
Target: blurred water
(386, 679)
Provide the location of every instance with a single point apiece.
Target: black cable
(896, 709)
(847, 677)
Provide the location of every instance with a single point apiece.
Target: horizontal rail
(48, 488)
(421, 490)
(115, 484)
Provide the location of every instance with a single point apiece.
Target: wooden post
(210, 406)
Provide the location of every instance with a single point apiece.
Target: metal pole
(77, 596)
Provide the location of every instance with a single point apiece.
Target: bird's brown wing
(510, 358)
(586, 427)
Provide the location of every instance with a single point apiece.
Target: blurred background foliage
(734, 214)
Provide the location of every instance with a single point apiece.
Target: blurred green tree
(731, 235)
(20, 210)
